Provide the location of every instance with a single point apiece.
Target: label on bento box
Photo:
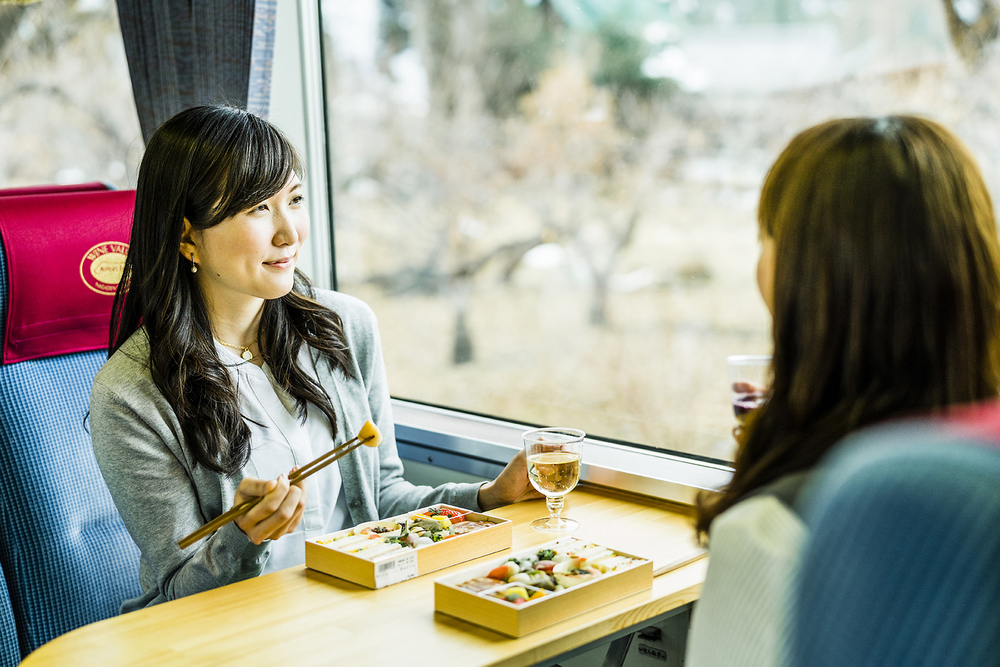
(395, 570)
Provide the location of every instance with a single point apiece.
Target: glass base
(554, 524)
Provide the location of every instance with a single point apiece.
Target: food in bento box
(612, 563)
(348, 540)
(534, 578)
(570, 564)
(388, 528)
(575, 576)
(422, 528)
(480, 584)
(517, 594)
(454, 515)
(464, 526)
(504, 572)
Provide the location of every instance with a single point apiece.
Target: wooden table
(302, 617)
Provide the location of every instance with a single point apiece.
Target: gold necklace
(247, 354)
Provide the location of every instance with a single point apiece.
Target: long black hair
(207, 164)
(886, 290)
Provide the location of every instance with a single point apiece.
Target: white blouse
(279, 442)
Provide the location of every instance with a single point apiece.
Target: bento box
(532, 589)
(381, 553)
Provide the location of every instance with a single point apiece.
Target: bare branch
(972, 33)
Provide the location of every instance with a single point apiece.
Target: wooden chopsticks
(315, 465)
(680, 561)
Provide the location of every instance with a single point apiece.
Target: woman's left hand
(510, 486)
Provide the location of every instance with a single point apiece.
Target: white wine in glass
(554, 456)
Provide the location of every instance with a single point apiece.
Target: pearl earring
(194, 267)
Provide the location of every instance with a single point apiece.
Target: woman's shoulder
(128, 367)
(343, 303)
(741, 616)
(761, 523)
(357, 316)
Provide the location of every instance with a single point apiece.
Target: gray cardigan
(163, 495)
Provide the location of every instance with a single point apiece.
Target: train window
(66, 108)
(551, 205)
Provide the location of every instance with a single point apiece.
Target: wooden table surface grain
(301, 617)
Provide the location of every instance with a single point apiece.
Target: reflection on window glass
(551, 205)
(66, 109)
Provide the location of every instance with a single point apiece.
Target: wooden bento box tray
(408, 563)
(515, 620)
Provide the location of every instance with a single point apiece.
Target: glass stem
(555, 505)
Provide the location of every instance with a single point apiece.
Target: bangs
(262, 162)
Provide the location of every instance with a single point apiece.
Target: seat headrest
(976, 420)
(63, 255)
(52, 189)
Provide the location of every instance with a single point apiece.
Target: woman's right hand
(278, 513)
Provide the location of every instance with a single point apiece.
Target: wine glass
(554, 456)
(748, 374)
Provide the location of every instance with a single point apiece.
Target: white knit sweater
(742, 618)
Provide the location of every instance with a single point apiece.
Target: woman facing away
(880, 265)
(227, 370)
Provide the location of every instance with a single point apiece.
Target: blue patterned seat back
(10, 652)
(902, 566)
(67, 557)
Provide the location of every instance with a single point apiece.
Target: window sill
(482, 446)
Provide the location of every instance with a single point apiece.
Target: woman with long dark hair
(227, 370)
(880, 265)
